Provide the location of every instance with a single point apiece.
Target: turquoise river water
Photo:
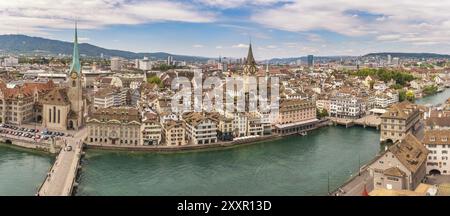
(291, 166)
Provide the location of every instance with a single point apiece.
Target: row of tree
(385, 75)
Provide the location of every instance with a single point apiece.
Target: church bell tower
(75, 92)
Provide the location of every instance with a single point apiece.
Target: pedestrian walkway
(60, 180)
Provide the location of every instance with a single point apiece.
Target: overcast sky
(224, 27)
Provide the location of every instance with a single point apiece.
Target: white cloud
(32, 16)
(240, 46)
(219, 47)
(389, 20)
(239, 3)
(198, 46)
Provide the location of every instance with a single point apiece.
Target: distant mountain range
(304, 59)
(37, 45)
(408, 55)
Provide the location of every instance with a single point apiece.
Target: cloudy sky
(211, 28)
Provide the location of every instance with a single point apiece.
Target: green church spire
(76, 66)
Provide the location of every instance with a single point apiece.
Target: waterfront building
(296, 116)
(344, 105)
(63, 108)
(224, 128)
(240, 124)
(323, 105)
(151, 129)
(255, 124)
(21, 104)
(383, 100)
(399, 120)
(438, 144)
(200, 128)
(401, 167)
(114, 126)
(174, 133)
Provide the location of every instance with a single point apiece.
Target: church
(63, 107)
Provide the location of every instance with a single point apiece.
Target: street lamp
(359, 164)
(328, 178)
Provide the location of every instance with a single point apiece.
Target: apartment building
(399, 120)
(323, 105)
(401, 167)
(438, 144)
(383, 100)
(20, 104)
(151, 130)
(174, 133)
(200, 128)
(224, 126)
(296, 116)
(345, 105)
(110, 97)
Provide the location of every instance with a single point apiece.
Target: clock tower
(75, 91)
(250, 68)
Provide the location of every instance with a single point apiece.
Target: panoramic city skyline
(215, 27)
(364, 111)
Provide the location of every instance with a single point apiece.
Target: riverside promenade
(358, 182)
(61, 178)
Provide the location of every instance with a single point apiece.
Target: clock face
(74, 75)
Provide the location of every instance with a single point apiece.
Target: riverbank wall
(39, 146)
(214, 146)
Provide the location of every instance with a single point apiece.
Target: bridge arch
(435, 172)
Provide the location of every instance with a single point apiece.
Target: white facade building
(438, 144)
(347, 106)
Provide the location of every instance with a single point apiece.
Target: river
(291, 166)
(22, 171)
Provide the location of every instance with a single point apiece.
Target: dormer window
(432, 139)
(444, 139)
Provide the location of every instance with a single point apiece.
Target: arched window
(54, 114)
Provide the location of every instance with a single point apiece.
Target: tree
(401, 95)
(397, 86)
(410, 96)
(155, 80)
(431, 89)
(321, 113)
